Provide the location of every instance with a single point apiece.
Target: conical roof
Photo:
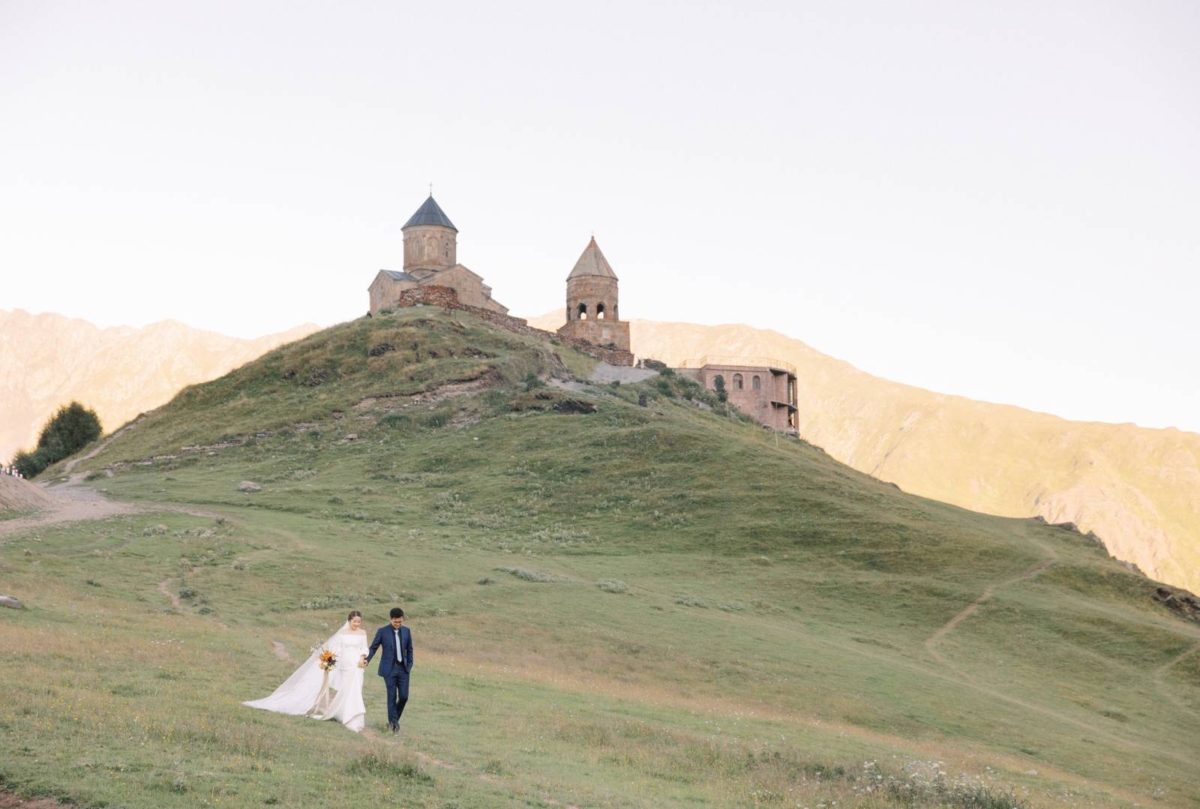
(430, 214)
(592, 262)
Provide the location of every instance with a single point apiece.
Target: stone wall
(447, 298)
(469, 287)
(611, 333)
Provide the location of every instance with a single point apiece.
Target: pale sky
(997, 200)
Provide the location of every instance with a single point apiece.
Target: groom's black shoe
(395, 728)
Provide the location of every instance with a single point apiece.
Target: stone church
(431, 259)
(763, 388)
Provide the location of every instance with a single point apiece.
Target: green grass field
(638, 606)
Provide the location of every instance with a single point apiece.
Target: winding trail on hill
(936, 638)
(162, 588)
(932, 642)
(71, 464)
(950, 673)
(1160, 673)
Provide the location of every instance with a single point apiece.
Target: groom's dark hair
(397, 612)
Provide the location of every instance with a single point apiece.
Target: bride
(307, 691)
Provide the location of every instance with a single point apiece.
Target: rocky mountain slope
(46, 360)
(1137, 488)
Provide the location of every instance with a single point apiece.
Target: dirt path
(162, 588)
(932, 642)
(1159, 678)
(100, 447)
(11, 800)
(75, 502)
(988, 592)
(70, 502)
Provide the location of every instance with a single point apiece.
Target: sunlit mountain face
(47, 360)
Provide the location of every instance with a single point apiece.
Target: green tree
(29, 463)
(69, 430)
(719, 384)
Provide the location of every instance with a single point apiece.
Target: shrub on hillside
(69, 430)
(664, 386)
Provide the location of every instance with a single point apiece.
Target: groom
(395, 663)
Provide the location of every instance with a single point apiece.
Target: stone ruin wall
(447, 298)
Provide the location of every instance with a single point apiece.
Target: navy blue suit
(393, 667)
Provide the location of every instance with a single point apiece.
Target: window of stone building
(583, 311)
(599, 311)
(756, 383)
(737, 382)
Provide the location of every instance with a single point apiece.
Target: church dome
(430, 214)
(592, 263)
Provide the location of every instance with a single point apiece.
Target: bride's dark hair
(353, 614)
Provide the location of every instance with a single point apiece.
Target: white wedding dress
(338, 696)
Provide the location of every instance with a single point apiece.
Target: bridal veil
(299, 693)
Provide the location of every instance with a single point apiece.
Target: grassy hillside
(1137, 488)
(636, 606)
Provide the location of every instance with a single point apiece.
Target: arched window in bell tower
(582, 311)
(599, 311)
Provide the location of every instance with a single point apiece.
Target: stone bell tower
(592, 312)
(430, 241)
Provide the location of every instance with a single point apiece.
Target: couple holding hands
(329, 685)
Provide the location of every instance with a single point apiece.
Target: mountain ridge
(48, 359)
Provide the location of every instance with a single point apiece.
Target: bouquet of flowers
(327, 660)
